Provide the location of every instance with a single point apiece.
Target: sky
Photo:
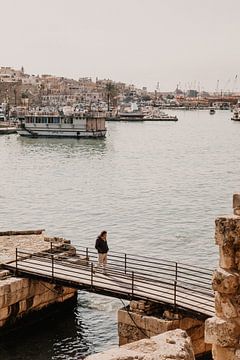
(153, 43)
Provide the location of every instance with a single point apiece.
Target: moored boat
(212, 111)
(8, 129)
(160, 116)
(57, 124)
(236, 115)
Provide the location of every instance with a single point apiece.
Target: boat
(127, 116)
(58, 124)
(236, 115)
(160, 116)
(131, 113)
(212, 111)
(7, 128)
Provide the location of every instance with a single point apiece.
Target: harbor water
(155, 187)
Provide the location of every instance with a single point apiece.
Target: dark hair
(103, 233)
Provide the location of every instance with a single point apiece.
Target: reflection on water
(156, 187)
(72, 146)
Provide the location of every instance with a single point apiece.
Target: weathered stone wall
(19, 297)
(223, 330)
(170, 345)
(138, 324)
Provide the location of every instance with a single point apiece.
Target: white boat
(7, 128)
(160, 116)
(128, 113)
(55, 124)
(236, 115)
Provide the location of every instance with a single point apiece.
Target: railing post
(125, 263)
(92, 272)
(87, 254)
(175, 295)
(132, 282)
(16, 261)
(52, 256)
(51, 247)
(175, 286)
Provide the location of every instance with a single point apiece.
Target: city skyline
(157, 44)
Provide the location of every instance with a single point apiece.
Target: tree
(111, 91)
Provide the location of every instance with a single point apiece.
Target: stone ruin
(223, 330)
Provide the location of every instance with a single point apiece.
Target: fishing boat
(58, 124)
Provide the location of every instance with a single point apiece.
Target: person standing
(102, 247)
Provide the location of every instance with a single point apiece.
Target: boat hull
(61, 134)
(161, 119)
(8, 130)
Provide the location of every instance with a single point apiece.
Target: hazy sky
(191, 42)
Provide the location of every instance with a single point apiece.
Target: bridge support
(223, 330)
(143, 319)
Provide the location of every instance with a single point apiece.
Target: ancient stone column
(223, 330)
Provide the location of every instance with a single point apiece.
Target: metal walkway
(174, 285)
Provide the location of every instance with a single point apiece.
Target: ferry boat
(57, 124)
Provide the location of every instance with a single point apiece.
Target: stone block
(226, 306)
(227, 256)
(227, 230)
(221, 332)
(200, 347)
(22, 306)
(4, 274)
(4, 288)
(225, 282)
(188, 323)
(171, 345)
(223, 353)
(236, 200)
(4, 312)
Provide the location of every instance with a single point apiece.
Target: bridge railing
(130, 276)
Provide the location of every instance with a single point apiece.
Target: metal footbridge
(132, 277)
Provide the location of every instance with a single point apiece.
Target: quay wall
(22, 298)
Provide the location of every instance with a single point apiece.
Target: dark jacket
(101, 246)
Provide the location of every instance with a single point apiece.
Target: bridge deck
(175, 285)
